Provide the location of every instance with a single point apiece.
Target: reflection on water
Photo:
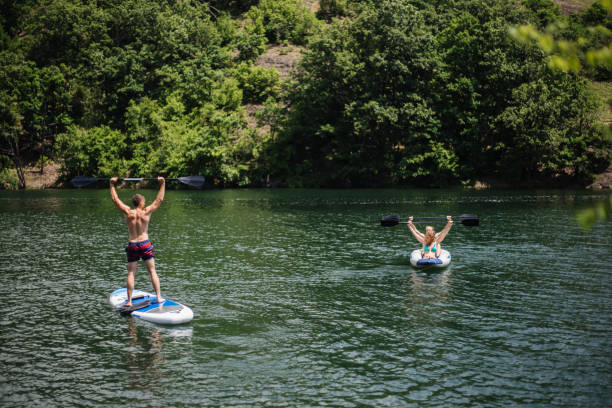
(424, 280)
(428, 295)
(302, 299)
(429, 287)
(144, 353)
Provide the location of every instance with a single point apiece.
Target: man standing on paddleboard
(137, 220)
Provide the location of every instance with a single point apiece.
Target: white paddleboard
(166, 312)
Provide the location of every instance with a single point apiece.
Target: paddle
(469, 220)
(193, 181)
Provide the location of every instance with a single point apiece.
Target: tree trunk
(18, 163)
(20, 172)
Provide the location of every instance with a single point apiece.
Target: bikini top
(426, 248)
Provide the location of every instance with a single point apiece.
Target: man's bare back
(137, 221)
(139, 247)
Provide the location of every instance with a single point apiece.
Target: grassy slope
(573, 6)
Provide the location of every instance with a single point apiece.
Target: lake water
(301, 298)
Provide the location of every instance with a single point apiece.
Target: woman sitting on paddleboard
(430, 240)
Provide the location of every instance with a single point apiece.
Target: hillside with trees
(386, 92)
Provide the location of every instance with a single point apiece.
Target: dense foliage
(388, 98)
(132, 87)
(388, 92)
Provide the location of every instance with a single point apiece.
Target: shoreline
(603, 181)
(49, 180)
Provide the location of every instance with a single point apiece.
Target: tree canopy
(388, 92)
(388, 98)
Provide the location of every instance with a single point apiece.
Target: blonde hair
(430, 235)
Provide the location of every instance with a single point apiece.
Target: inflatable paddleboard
(418, 261)
(145, 307)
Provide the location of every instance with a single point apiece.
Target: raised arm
(118, 203)
(160, 196)
(442, 234)
(417, 234)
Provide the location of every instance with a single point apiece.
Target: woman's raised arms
(417, 234)
(442, 234)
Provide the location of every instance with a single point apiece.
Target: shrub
(257, 83)
(99, 151)
(285, 20)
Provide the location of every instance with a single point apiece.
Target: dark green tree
(362, 104)
(544, 12)
(507, 113)
(385, 98)
(37, 105)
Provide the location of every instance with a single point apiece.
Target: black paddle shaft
(193, 181)
(469, 220)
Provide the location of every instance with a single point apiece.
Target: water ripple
(302, 299)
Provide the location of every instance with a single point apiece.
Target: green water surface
(301, 298)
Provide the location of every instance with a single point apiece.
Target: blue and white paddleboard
(166, 312)
(417, 260)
